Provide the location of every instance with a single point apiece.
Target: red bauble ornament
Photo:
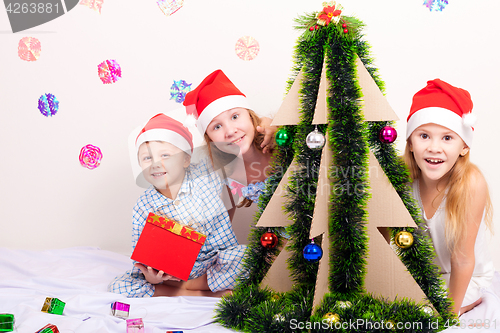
(344, 25)
(387, 134)
(316, 27)
(269, 240)
(346, 31)
(311, 28)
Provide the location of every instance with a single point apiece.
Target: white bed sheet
(79, 277)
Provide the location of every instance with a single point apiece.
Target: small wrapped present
(169, 246)
(135, 326)
(53, 305)
(6, 322)
(49, 328)
(120, 309)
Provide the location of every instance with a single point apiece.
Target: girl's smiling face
(436, 150)
(232, 131)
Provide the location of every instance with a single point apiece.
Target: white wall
(47, 200)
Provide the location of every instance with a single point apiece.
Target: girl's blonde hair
(458, 197)
(220, 159)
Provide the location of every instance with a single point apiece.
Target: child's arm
(269, 131)
(463, 260)
(153, 276)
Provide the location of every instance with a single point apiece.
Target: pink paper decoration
(168, 7)
(247, 48)
(109, 71)
(93, 4)
(90, 157)
(29, 49)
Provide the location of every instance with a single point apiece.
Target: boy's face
(163, 164)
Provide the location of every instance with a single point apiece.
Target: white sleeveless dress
(484, 268)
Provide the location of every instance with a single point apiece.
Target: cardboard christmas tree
(349, 197)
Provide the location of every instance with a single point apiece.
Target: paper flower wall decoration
(29, 49)
(109, 71)
(90, 157)
(168, 7)
(179, 89)
(435, 5)
(247, 48)
(48, 105)
(93, 4)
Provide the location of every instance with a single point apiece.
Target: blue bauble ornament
(312, 252)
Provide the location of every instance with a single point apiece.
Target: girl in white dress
(450, 190)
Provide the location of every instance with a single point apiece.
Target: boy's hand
(269, 132)
(153, 276)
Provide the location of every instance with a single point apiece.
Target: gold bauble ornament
(403, 239)
(390, 324)
(331, 317)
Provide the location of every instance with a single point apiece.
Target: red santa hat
(163, 128)
(442, 104)
(215, 94)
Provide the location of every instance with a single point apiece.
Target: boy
(164, 149)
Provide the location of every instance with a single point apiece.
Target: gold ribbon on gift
(176, 228)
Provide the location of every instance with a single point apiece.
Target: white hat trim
(162, 134)
(217, 107)
(443, 117)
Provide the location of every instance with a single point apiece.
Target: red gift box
(169, 246)
(49, 328)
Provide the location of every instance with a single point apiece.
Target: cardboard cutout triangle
(321, 111)
(374, 104)
(288, 113)
(386, 275)
(319, 224)
(276, 279)
(274, 214)
(385, 207)
(322, 285)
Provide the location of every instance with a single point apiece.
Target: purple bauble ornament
(387, 134)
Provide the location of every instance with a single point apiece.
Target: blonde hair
(458, 197)
(220, 158)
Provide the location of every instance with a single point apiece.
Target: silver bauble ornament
(315, 139)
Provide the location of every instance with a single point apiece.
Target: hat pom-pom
(190, 121)
(469, 119)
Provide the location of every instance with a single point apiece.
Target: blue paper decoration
(48, 105)
(179, 89)
(435, 5)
